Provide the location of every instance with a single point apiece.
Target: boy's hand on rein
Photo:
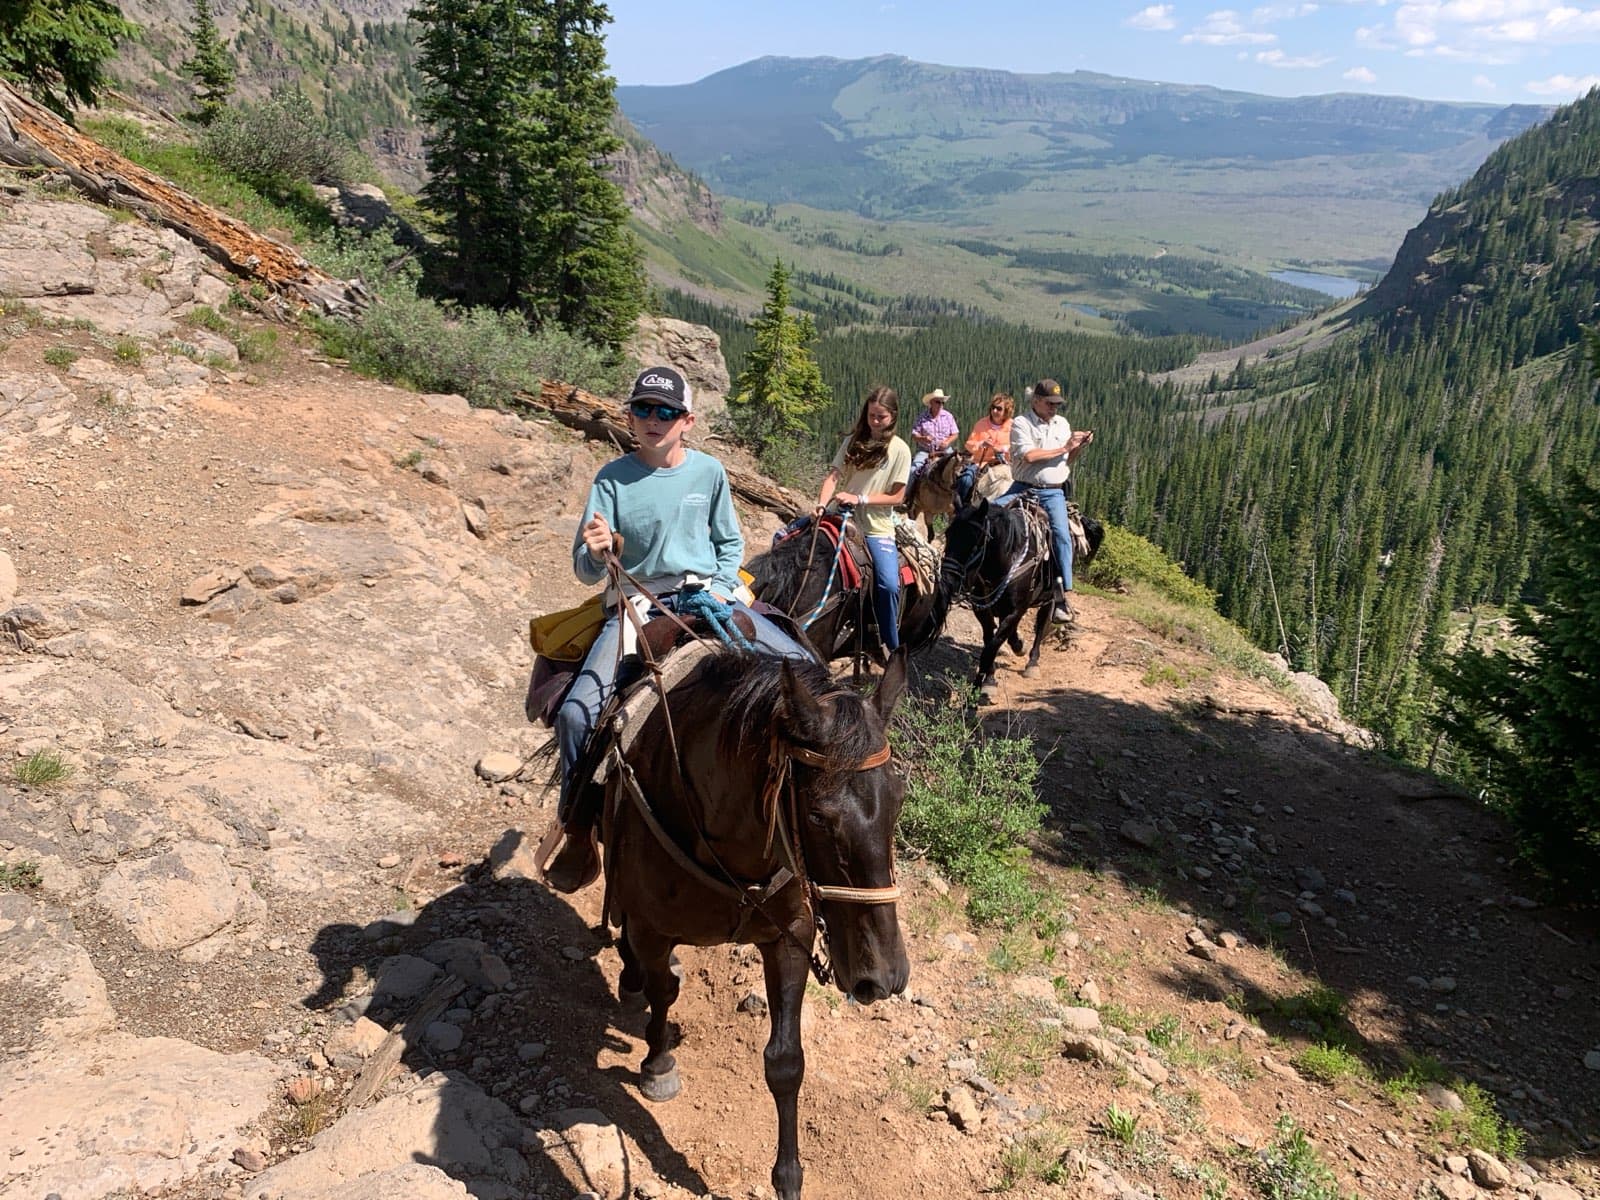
(597, 536)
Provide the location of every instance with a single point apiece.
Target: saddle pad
(637, 707)
(919, 561)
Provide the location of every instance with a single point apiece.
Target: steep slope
(1379, 478)
(1519, 236)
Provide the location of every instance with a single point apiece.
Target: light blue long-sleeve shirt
(674, 521)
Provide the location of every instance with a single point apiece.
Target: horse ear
(802, 715)
(893, 684)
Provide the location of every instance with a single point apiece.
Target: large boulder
(446, 1121)
(123, 1114)
(693, 350)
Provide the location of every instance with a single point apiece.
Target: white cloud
(1361, 75)
(1484, 83)
(1563, 85)
(1268, 13)
(1477, 30)
(1157, 17)
(1284, 62)
(1223, 28)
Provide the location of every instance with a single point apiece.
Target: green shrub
(281, 140)
(127, 350)
(1288, 1168)
(1125, 558)
(60, 356)
(19, 877)
(971, 806)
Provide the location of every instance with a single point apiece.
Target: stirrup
(576, 866)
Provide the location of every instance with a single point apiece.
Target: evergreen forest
(1348, 504)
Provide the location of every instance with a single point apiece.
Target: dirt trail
(272, 621)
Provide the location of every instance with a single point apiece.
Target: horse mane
(779, 571)
(1007, 528)
(748, 690)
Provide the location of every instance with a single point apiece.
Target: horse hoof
(1029, 672)
(660, 1088)
(986, 695)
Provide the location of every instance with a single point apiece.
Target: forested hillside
(1346, 503)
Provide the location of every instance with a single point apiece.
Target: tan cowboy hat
(936, 394)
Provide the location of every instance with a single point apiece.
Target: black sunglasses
(644, 410)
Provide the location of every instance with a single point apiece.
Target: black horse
(999, 558)
(758, 805)
(800, 576)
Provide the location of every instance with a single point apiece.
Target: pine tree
(55, 49)
(587, 265)
(520, 111)
(210, 66)
(781, 383)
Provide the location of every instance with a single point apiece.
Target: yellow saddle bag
(566, 636)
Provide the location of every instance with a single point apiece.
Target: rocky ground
(268, 619)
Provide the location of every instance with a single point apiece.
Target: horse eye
(816, 818)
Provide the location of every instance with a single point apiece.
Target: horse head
(966, 541)
(847, 800)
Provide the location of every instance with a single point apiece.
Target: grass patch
(1329, 1064)
(1040, 1155)
(42, 768)
(1320, 1012)
(290, 211)
(1289, 1168)
(409, 461)
(916, 1090)
(128, 351)
(20, 877)
(60, 356)
(203, 316)
(970, 807)
(259, 346)
(1479, 1125)
(1016, 1046)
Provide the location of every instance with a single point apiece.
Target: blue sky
(1502, 51)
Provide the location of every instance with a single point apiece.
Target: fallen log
(599, 418)
(34, 138)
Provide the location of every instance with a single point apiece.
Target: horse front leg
(658, 1074)
(1041, 622)
(784, 965)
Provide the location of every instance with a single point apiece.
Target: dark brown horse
(998, 558)
(800, 576)
(758, 806)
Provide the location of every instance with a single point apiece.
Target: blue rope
(838, 549)
(717, 613)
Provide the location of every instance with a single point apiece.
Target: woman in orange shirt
(989, 443)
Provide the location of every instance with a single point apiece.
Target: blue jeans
(598, 680)
(918, 461)
(965, 482)
(1054, 502)
(886, 589)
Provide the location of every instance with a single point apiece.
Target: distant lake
(1329, 285)
(1087, 310)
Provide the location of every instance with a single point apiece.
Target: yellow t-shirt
(874, 520)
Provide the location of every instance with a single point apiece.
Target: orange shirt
(986, 438)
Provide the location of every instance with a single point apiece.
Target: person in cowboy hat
(1043, 449)
(933, 432)
(673, 510)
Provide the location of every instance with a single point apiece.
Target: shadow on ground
(1364, 875)
(531, 1045)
